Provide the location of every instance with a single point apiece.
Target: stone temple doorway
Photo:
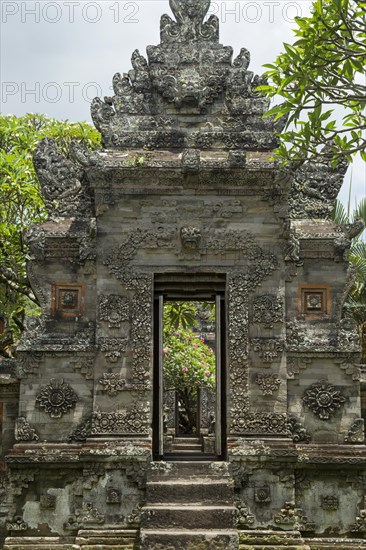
(189, 369)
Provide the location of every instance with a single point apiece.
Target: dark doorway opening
(189, 411)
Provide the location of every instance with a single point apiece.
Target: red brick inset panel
(67, 300)
(314, 300)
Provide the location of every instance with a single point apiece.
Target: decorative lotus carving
(112, 383)
(323, 399)
(114, 309)
(268, 383)
(267, 310)
(56, 398)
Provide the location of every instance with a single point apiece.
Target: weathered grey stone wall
(184, 185)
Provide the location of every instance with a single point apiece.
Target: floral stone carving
(135, 517)
(24, 431)
(87, 515)
(16, 524)
(268, 348)
(323, 399)
(329, 502)
(268, 383)
(131, 421)
(267, 310)
(244, 516)
(356, 432)
(112, 383)
(114, 309)
(82, 430)
(56, 398)
(263, 494)
(360, 525)
(298, 432)
(113, 496)
(291, 517)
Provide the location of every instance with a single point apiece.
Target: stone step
(188, 469)
(173, 516)
(330, 543)
(271, 540)
(102, 538)
(186, 447)
(189, 440)
(204, 491)
(170, 539)
(272, 547)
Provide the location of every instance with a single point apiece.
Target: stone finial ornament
(189, 15)
(185, 75)
(186, 11)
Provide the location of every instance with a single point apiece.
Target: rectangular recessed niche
(67, 300)
(313, 300)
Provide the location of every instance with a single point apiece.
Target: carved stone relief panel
(112, 383)
(24, 431)
(296, 364)
(238, 302)
(47, 502)
(113, 496)
(268, 349)
(262, 494)
(84, 365)
(114, 309)
(329, 502)
(82, 431)
(112, 348)
(323, 399)
(258, 423)
(56, 398)
(360, 524)
(267, 310)
(356, 433)
(28, 363)
(268, 383)
(141, 331)
(134, 420)
(298, 432)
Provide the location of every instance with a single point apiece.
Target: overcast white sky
(57, 55)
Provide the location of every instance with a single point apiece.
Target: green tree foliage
(21, 205)
(355, 305)
(321, 81)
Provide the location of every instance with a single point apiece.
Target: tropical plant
(21, 204)
(355, 305)
(321, 81)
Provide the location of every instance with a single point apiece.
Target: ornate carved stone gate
(185, 184)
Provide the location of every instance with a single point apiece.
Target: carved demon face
(191, 237)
